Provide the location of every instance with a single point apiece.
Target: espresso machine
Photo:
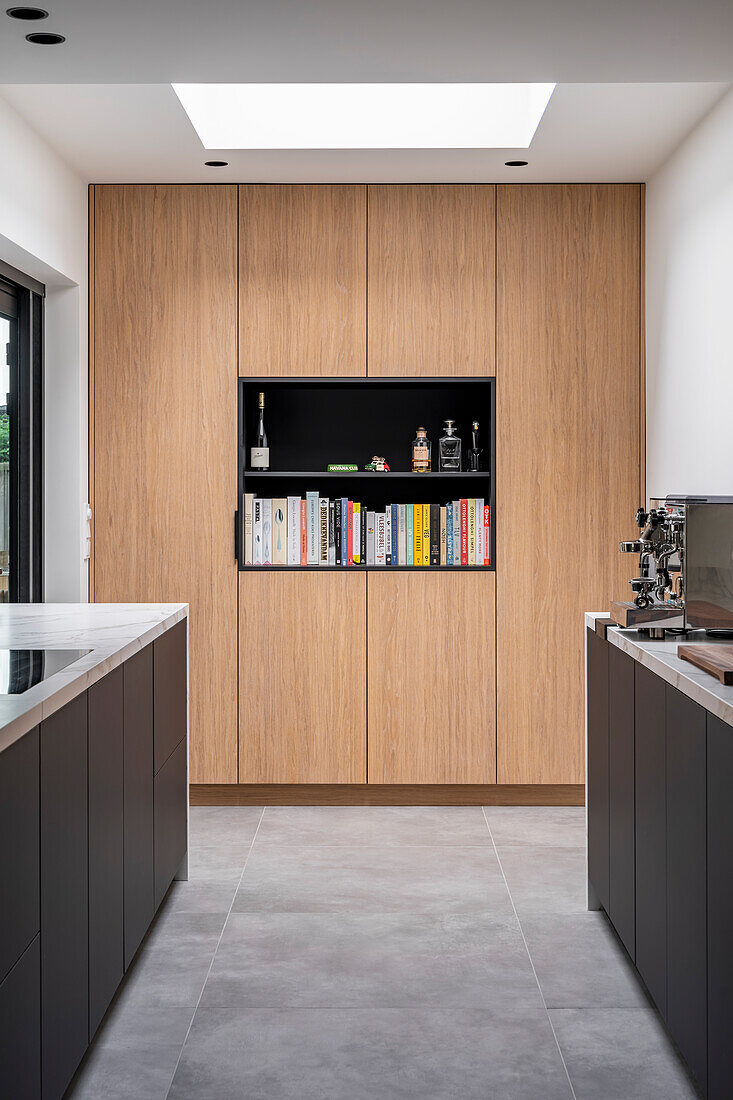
(684, 580)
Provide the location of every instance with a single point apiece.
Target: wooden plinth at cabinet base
(362, 794)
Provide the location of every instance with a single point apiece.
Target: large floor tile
(345, 959)
(223, 824)
(372, 880)
(620, 1053)
(545, 881)
(217, 863)
(172, 966)
(373, 825)
(580, 962)
(537, 826)
(200, 897)
(388, 1054)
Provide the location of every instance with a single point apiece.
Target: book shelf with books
(298, 514)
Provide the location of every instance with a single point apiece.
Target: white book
(280, 531)
(456, 532)
(388, 535)
(267, 531)
(248, 500)
(370, 545)
(293, 530)
(479, 530)
(311, 528)
(323, 530)
(379, 537)
(257, 531)
(401, 534)
(356, 534)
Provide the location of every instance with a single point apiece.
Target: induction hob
(21, 669)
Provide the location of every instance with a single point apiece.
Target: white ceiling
(159, 41)
(140, 133)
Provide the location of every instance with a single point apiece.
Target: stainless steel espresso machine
(685, 577)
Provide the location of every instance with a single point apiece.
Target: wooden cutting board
(715, 659)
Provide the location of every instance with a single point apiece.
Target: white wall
(689, 309)
(43, 231)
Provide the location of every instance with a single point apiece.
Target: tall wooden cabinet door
(302, 677)
(568, 453)
(165, 428)
(302, 279)
(431, 699)
(431, 279)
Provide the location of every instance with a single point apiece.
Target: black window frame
(26, 438)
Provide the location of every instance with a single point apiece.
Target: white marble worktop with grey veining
(660, 656)
(112, 633)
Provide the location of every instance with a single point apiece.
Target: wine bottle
(260, 453)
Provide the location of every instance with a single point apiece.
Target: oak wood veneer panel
(431, 678)
(165, 408)
(568, 453)
(302, 677)
(302, 291)
(431, 279)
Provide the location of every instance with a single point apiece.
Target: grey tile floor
(353, 952)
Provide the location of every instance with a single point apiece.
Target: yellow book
(443, 536)
(426, 534)
(417, 527)
(472, 530)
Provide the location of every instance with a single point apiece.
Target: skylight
(365, 116)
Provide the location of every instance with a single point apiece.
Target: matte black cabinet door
(64, 896)
(170, 820)
(106, 875)
(139, 902)
(621, 796)
(651, 834)
(20, 1027)
(720, 909)
(171, 706)
(687, 880)
(598, 821)
(20, 916)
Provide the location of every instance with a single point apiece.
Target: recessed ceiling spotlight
(216, 163)
(516, 163)
(27, 13)
(45, 38)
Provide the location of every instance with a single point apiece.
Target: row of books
(316, 530)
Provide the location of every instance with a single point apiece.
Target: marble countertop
(112, 633)
(660, 656)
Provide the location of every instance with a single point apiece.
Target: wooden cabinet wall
(568, 453)
(539, 285)
(163, 430)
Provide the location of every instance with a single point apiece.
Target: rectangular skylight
(364, 116)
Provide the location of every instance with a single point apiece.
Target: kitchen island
(93, 818)
(660, 831)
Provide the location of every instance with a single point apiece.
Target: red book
(303, 536)
(464, 531)
(350, 543)
(487, 535)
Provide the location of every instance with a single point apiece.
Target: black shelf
(369, 568)
(374, 475)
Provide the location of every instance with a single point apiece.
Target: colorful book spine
(456, 532)
(479, 530)
(350, 542)
(435, 534)
(401, 534)
(388, 535)
(356, 541)
(303, 532)
(337, 529)
(257, 532)
(487, 534)
(410, 534)
(293, 530)
(332, 532)
(312, 529)
(464, 531)
(370, 539)
(394, 527)
(449, 533)
(248, 502)
(280, 531)
(323, 531)
(344, 529)
(443, 536)
(363, 536)
(267, 531)
(417, 511)
(426, 534)
(379, 535)
(471, 530)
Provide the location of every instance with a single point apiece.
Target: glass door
(8, 371)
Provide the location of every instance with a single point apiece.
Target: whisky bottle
(421, 453)
(475, 451)
(260, 453)
(449, 448)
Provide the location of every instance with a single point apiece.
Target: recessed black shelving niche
(312, 422)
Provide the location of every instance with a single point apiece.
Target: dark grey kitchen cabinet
(170, 699)
(20, 917)
(622, 886)
(64, 896)
(20, 1027)
(720, 909)
(106, 844)
(138, 799)
(686, 769)
(169, 796)
(651, 833)
(598, 819)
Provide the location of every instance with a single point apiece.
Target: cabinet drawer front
(20, 1027)
(598, 765)
(138, 799)
(621, 797)
(170, 801)
(19, 839)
